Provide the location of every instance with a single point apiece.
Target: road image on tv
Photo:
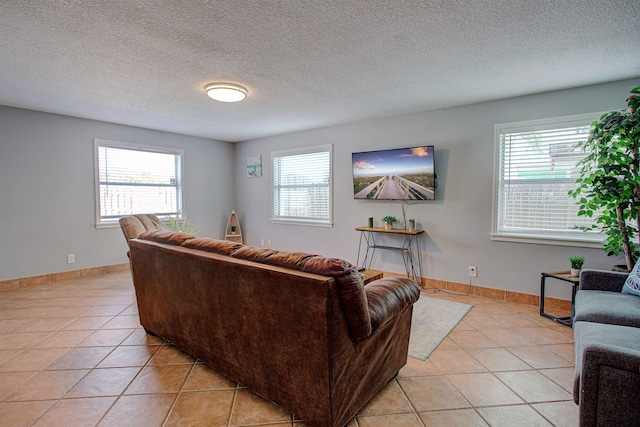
(396, 174)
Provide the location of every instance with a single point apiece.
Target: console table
(409, 245)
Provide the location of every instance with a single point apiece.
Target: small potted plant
(388, 220)
(576, 264)
(178, 222)
(233, 229)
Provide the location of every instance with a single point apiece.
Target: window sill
(547, 240)
(301, 222)
(108, 225)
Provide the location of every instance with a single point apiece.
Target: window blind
(536, 169)
(135, 179)
(302, 185)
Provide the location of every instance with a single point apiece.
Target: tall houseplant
(608, 188)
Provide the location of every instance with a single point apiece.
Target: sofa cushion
(587, 334)
(166, 236)
(222, 247)
(348, 279)
(149, 221)
(290, 260)
(351, 290)
(332, 267)
(354, 304)
(614, 308)
(632, 284)
(131, 227)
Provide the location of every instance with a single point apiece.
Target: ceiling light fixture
(226, 92)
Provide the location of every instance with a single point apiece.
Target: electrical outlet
(269, 242)
(261, 242)
(473, 271)
(71, 258)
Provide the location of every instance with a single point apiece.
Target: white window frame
(576, 238)
(113, 221)
(301, 220)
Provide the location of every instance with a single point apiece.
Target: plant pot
(387, 226)
(575, 272)
(620, 267)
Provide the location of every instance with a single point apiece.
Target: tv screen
(394, 174)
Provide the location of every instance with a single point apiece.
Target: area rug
(433, 319)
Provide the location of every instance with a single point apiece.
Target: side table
(563, 276)
(371, 275)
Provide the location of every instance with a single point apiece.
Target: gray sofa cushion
(611, 376)
(614, 308)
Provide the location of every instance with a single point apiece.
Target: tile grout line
(116, 398)
(122, 393)
(233, 403)
(415, 411)
(175, 400)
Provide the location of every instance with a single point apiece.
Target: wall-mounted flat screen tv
(394, 174)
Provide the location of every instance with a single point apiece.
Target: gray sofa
(607, 350)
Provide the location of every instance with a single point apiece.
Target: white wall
(458, 223)
(47, 196)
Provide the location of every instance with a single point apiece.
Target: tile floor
(73, 354)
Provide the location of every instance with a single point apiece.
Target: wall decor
(254, 166)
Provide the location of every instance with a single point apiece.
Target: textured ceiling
(306, 63)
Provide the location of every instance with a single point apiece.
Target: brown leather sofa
(134, 225)
(300, 330)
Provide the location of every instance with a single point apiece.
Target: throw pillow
(632, 284)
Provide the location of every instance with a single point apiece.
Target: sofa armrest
(609, 384)
(388, 297)
(602, 280)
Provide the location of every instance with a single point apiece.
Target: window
(302, 185)
(132, 179)
(536, 166)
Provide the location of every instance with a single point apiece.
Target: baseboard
(494, 294)
(46, 279)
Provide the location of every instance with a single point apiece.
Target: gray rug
(432, 321)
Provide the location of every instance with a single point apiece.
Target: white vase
(575, 272)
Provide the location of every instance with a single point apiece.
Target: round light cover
(225, 92)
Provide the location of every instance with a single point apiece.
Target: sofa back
(134, 225)
(349, 281)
